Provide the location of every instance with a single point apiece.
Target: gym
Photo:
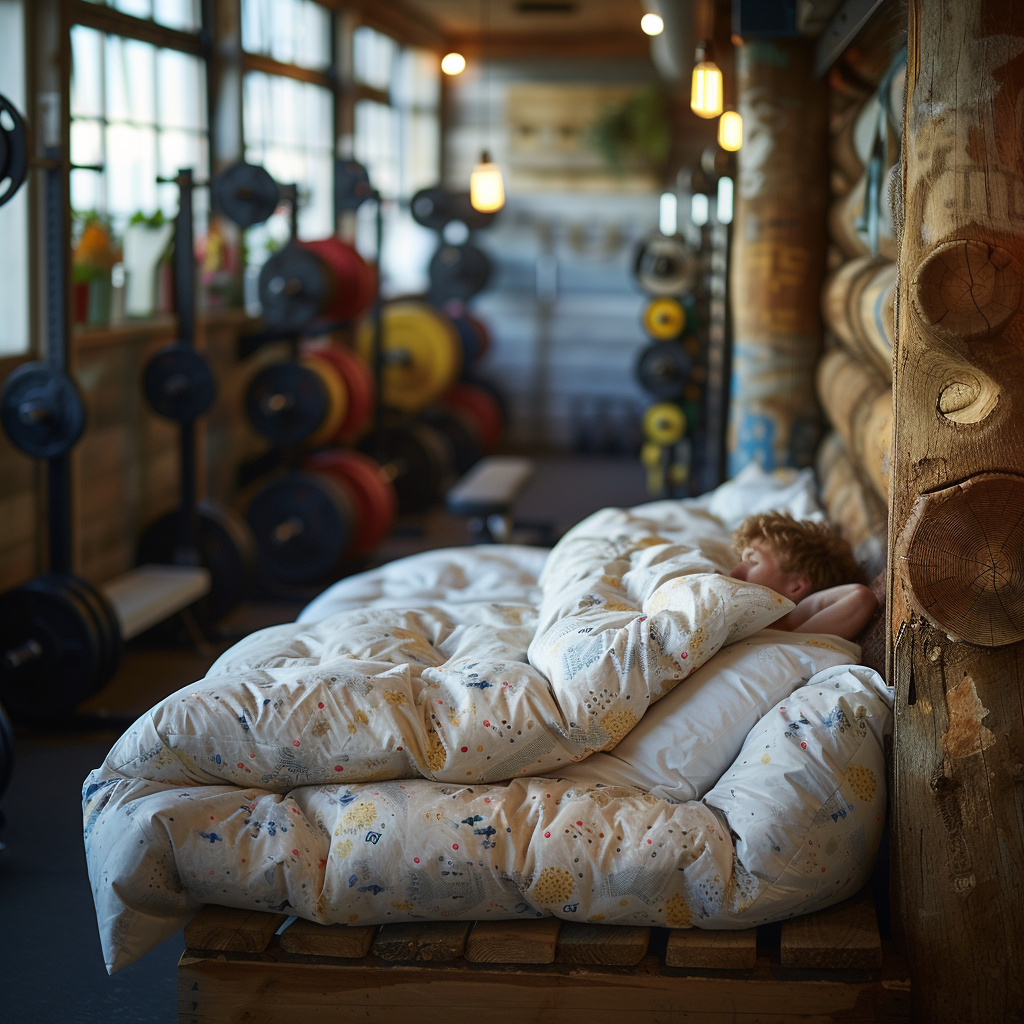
(384, 385)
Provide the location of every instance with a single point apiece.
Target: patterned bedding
(387, 759)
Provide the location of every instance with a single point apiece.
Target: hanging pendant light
(730, 130)
(486, 188)
(706, 84)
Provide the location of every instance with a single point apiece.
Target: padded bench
(486, 494)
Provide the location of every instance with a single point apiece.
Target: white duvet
(352, 767)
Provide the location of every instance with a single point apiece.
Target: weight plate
(664, 319)
(295, 287)
(479, 404)
(650, 454)
(469, 339)
(432, 207)
(418, 461)
(664, 424)
(422, 355)
(493, 390)
(375, 498)
(353, 282)
(664, 369)
(226, 548)
(46, 618)
(665, 266)
(484, 334)
(463, 433)
(458, 272)
(351, 185)
(303, 524)
(358, 382)
(41, 410)
(337, 399)
(287, 402)
(245, 193)
(462, 209)
(13, 151)
(178, 383)
(106, 623)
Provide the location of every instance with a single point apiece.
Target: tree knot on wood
(965, 735)
(966, 289)
(965, 559)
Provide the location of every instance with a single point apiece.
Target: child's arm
(843, 611)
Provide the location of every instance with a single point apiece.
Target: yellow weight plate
(337, 400)
(650, 455)
(664, 319)
(423, 356)
(664, 423)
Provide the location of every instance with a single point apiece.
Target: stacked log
(858, 306)
(858, 401)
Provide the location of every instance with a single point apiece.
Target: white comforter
(346, 768)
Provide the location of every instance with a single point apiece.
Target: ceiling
(467, 17)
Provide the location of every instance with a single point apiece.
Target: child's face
(759, 565)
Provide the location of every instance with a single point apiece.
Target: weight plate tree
(420, 351)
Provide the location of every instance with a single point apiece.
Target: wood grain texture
(695, 947)
(429, 941)
(513, 942)
(958, 830)
(601, 944)
(843, 937)
(337, 940)
(227, 928)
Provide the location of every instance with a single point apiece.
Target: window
(398, 139)
(290, 31)
(14, 261)
(138, 112)
(180, 14)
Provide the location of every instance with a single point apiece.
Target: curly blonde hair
(802, 548)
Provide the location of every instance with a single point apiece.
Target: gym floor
(49, 945)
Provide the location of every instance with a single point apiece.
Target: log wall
(956, 589)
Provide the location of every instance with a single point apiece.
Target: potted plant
(92, 259)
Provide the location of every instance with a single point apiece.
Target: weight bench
(486, 494)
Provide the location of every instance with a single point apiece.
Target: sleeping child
(807, 562)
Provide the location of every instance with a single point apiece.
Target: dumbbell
(309, 522)
(325, 396)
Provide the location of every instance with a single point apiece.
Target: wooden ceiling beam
(554, 45)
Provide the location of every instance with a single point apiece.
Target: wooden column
(957, 515)
(778, 257)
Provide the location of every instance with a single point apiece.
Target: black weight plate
(226, 548)
(295, 287)
(245, 193)
(469, 339)
(351, 185)
(461, 432)
(462, 209)
(6, 750)
(286, 402)
(67, 669)
(13, 151)
(664, 369)
(178, 383)
(41, 410)
(106, 623)
(458, 272)
(432, 207)
(417, 458)
(303, 524)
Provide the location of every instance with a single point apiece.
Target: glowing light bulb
(453, 63)
(706, 85)
(730, 131)
(652, 24)
(486, 189)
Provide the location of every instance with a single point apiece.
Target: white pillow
(686, 741)
(753, 491)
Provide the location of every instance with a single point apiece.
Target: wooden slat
(336, 940)
(514, 942)
(841, 937)
(720, 950)
(227, 928)
(432, 940)
(601, 944)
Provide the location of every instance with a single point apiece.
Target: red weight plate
(354, 279)
(482, 407)
(375, 497)
(359, 382)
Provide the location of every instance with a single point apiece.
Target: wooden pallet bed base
(826, 967)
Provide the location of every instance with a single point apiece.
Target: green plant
(154, 220)
(635, 132)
